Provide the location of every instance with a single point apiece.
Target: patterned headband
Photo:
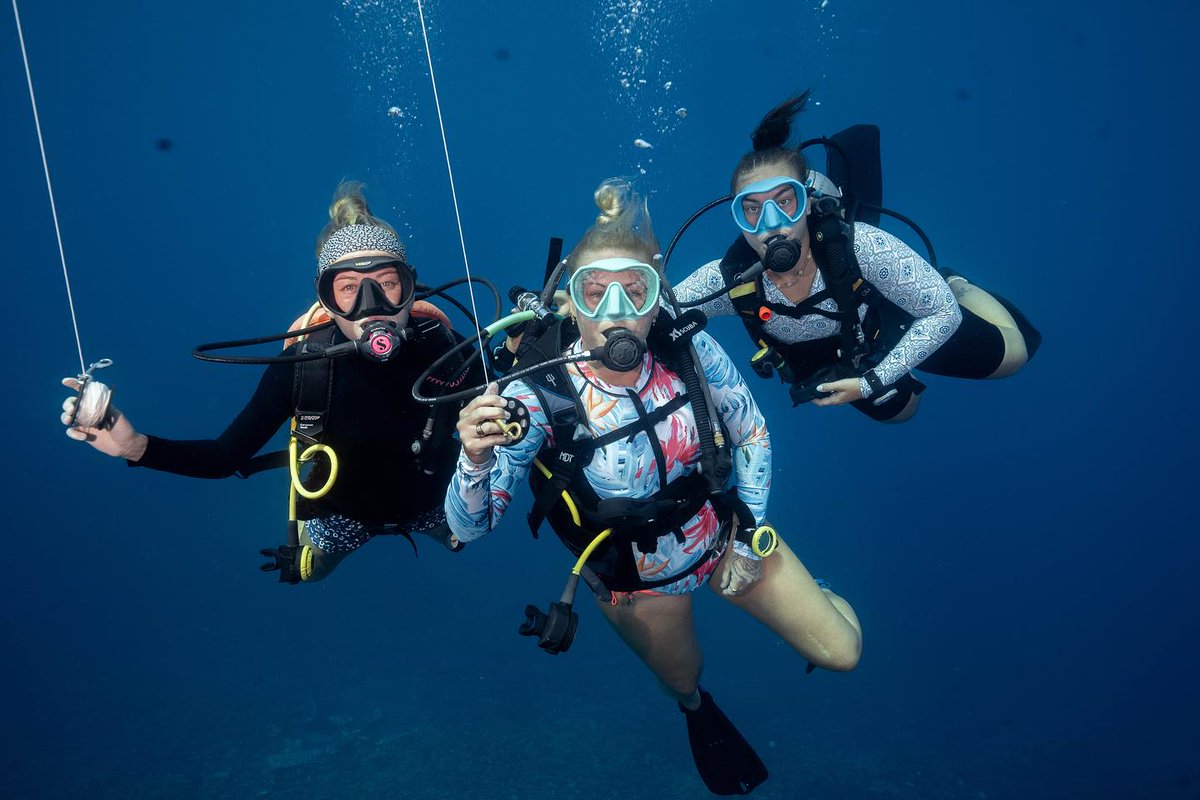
(358, 237)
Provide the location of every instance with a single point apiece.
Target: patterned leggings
(338, 535)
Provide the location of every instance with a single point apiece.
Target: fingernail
(821, 387)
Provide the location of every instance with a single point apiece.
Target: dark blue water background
(1022, 554)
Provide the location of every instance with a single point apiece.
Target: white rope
(453, 192)
(49, 187)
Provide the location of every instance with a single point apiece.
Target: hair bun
(775, 128)
(612, 198)
(349, 205)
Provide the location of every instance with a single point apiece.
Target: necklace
(800, 272)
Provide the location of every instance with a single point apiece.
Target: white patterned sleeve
(747, 429)
(908, 280)
(702, 283)
(479, 494)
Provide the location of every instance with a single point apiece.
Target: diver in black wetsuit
(390, 474)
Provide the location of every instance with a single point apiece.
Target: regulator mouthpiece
(623, 351)
(782, 254)
(380, 340)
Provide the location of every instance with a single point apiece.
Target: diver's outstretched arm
(119, 439)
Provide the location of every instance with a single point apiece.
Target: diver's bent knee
(846, 662)
(1016, 355)
(842, 659)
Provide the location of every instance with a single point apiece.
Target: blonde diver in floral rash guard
(621, 467)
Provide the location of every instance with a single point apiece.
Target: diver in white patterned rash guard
(857, 337)
(623, 473)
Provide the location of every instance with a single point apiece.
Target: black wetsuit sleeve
(268, 408)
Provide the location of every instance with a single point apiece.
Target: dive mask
(783, 208)
(370, 298)
(597, 295)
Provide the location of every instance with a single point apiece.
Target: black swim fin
(725, 760)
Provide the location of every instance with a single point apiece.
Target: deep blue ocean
(1022, 554)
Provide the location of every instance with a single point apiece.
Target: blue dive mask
(783, 208)
(596, 295)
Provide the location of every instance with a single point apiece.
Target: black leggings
(975, 351)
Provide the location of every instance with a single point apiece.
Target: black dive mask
(371, 299)
(782, 253)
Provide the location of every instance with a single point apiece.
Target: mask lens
(599, 285)
(366, 287)
(769, 204)
(612, 289)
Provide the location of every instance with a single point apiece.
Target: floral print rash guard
(479, 495)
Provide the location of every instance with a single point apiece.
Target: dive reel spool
(93, 402)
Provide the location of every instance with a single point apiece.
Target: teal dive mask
(598, 294)
(784, 207)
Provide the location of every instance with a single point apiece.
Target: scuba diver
(628, 421)
(379, 467)
(841, 310)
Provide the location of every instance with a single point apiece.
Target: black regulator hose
(316, 351)
(201, 351)
(910, 223)
(622, 351)
(713, 295)
(424, 293)
(687, 224)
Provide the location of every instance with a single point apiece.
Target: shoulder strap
(832, 244)
(553, 386)
(312, 389)
(573, 445)
(671, 341)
